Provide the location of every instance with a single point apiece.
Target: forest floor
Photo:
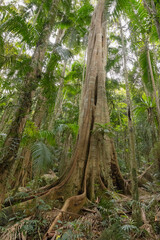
(109, 217)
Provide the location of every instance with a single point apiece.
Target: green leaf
(42, 158)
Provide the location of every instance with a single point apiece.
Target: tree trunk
(14, 136)
(94, 159)
(154, 87)
(94, 154)
(59, 100)
(5, 117)
(133, 163)
(23, 168)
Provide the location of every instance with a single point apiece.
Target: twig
(71, 213)
(88, 210)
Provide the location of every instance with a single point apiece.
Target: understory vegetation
(79, 119)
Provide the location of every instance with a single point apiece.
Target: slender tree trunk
(133, 164)
(14, 136)
(154, 86)
(65, 159)
(23, 168)
(83, 77)
(59, 99)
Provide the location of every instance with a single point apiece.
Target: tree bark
(94, 159)
(14, 136)
(95, 153)
(154, 87)
(59, 100)
(7, 114)
(23, 168)
(133, 163)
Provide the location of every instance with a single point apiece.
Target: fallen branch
(88, 210)
(75, 203)
(145, 176)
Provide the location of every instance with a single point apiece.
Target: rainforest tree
(93, 166)
(94, 158)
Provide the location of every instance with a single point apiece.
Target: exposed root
(102, 184)
(74, 204)
(146, 226)
(41, 191)
(29, 203)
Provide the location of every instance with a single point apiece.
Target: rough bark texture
(94, 153)
(4, 118)
(14, 136)
(94, 158)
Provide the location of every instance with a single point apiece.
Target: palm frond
(49, 136)
(146, 104)
(113, 62)
(42, 158)
(18, 24)
(146, 77)
(64, 53)
(134, 10)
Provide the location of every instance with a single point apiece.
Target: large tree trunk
(94, 159)
(14, 136)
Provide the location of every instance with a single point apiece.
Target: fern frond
(42, 158)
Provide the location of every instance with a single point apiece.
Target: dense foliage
(52, 120)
